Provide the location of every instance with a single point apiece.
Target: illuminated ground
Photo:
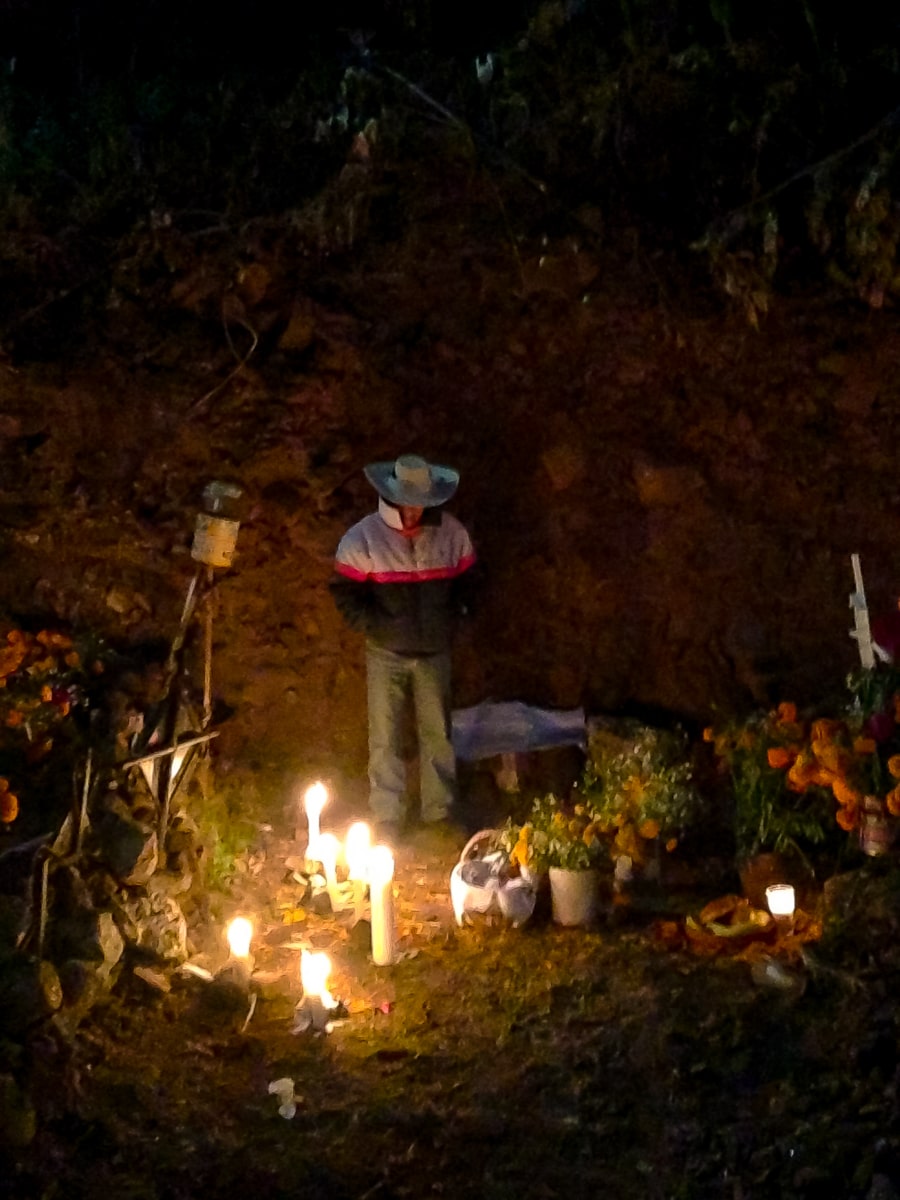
(488, 1063)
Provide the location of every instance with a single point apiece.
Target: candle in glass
(314, 799)
(381, 900)
(780, 899)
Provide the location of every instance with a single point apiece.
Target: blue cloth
(511, 727)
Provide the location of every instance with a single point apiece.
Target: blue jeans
(394, 682)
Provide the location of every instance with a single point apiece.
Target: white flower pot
(574, 896)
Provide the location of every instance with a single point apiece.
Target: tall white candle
(314, 800)
(356, 852)
(381, 897)
(329, 847)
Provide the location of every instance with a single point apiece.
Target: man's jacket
(404, 592)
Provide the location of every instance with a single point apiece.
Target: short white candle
(239, 933)
(381, 897)
(780, 899)
(315, 967)
(314, 800)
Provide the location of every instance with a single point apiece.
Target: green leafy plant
(557, 833)
(774, 809)
(638, 783)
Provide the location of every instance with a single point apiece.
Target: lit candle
(356, 849)
(356, 852)
(314, 800)
(780, 899)
(315, 967)
(381, 899)
(329, 848)
(239, 933)
(239, 966)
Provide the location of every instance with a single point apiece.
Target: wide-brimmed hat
(412, 481)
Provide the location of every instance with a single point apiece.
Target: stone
(665, 487)
(565, 465)
(89, 935)
(83, 984)
(18, 1123)
(30, 991)
(157, 924)
(128, 848)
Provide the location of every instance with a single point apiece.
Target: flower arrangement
(780, 803)
(557, 833)
(636, 788)
(42, 680)
(856, 754)
(639, 787)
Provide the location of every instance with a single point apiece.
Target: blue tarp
(511, 727)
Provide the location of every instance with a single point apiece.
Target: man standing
(401, 578)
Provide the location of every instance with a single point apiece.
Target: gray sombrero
(412, 481)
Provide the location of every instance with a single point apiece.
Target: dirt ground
(488, 1062)
(665, 501)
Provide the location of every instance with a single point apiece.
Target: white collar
(389, 514)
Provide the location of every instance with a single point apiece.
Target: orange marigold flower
(9, 808)
(892, 802)
(846, 818)
(844, 793)
(72, 659)
(671, 844)
(649, 830)
(519, 853)
(786, 713)
(779, 757)
(4, 785)
(893, 765)
(14, 718)
(825, 730)
(864, 745)
(46, 693)
(800, 775)
(822, 777)
(831, 756)
(709, 734)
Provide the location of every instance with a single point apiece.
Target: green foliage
(228, 840)
(642, 776)
(636, 788)
(557, 833)
(768, 814)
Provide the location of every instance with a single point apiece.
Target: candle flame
(315, 798)
(239, 933)
(315, 967)
(356, 850)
